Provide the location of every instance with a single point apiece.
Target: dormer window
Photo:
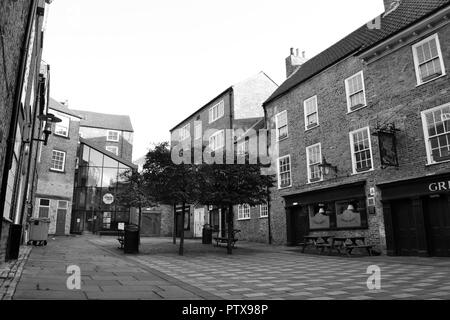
(112, 135)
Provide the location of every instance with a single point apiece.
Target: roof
(57, 106)
(105, 121)
(109, 154)
(408, 13)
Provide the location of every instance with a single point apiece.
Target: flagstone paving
(253, 272)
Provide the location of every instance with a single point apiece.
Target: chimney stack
(294, 61)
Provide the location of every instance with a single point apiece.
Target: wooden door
(297, 225)
(61, 222)
(199, 221)
(437, 220)
(405, 228)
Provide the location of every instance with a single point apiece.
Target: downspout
(269, 227)
(16, 109)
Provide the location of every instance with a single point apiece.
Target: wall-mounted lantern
(49, 119)
(327, 167)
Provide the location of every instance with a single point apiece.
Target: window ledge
(349, 111)
(309, 129)
(57, 171)
(431, 80)
(61, 136)
(244, 219)
(314, 182)
(282, 188)
(362, 172)
(430, 164)
(282, 139)
(265, 217)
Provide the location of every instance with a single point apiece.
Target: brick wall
(254, 229)
(392, 96)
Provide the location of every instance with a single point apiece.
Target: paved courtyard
(253, 272)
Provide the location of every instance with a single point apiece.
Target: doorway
(199, 221)
(405, 229)
(436, 210)
(297, 225)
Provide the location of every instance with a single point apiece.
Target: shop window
(361, 148)
(311, 113)
(436, 125)
(319, 216)
(44, 208)
(351, 214)
(281, 125)
(428, 60)
(356, 94)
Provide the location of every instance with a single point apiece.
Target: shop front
(417, 216)
(338, 211)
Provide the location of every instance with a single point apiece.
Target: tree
(133, 192)
(228, 185)
(170, 183)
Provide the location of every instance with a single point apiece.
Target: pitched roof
(108, 153)
(105, 121)
(408, 13)
(55, 105)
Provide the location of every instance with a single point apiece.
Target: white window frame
(416, 58)
(347, 91)
(63, 125)
(352, 149)
(63, 161)
(185, 132)
(244, 212)
(264, 210)
(309, 165)
(116, 152)
(213, 137)
(197, 130)
(279, 173)
(42, 206)
(219, 108)
(314, 98)
(278, 128)
(113, 140)
(427, 136)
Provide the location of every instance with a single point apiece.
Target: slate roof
(105, 121)
(55, 105)
(408, 13)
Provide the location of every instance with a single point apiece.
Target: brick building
(239, 107)
(112, 132)
(23, 86)
(363, 135)
(56, 170)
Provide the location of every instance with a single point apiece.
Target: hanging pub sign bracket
(387, 142)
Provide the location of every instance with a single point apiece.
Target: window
(361, 148)
(281, 125)
(217, 140)
(216, 112)
(263, 210)
(314, 159)
(428, 59)
(197, 130)
(243, 212)
(356, 94)
(311, 114)
(436, 125)
(113, 136)
(185, 132)
(62, 128)
(44, 208)
(107, 220)
(113, 149)
(284, 172)
(58, 160)
(243, 147)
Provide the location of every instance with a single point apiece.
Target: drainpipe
(16, 108)
(269, 227)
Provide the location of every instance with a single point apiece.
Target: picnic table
(319, 242)
(224, 240)
(348, 244)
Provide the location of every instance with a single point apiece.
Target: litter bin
(39, 231)
(207, 234)
(131, 239)
(15, 234)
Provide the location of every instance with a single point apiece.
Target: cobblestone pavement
(10, 273)
(253, 272)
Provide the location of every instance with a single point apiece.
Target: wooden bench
(224, 240)
(355, 243)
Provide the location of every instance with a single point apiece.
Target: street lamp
(49, 118)
(327, 167)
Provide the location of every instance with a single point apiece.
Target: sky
(160, 61)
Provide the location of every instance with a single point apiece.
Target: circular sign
(108, 198)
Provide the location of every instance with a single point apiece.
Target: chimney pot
(292, 51)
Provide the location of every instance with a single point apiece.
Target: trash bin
(131, 239)
(15, 235)
(207, 234)
(38, 231)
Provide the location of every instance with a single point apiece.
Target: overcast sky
(159, 61)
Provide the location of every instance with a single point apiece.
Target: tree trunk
(230, 229)
(174, 224)
(182, 231)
